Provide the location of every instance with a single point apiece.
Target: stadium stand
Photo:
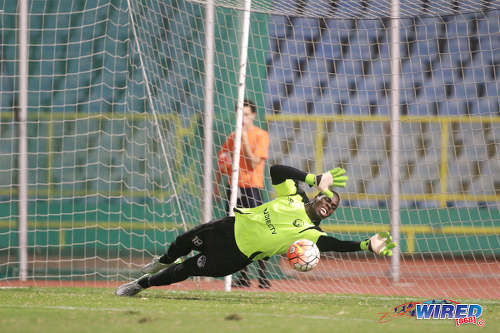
(449, 68)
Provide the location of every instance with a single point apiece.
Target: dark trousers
(218, 253)
(249, 197)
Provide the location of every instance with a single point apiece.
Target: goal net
(115, 133)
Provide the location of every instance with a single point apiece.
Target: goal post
(117, 103)
(395, 137)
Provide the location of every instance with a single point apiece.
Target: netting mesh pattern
(360, 9)
(115, 125)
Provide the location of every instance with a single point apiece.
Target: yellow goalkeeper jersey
(270, 228)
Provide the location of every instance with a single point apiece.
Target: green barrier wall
(115, 233)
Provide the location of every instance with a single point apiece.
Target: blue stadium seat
(457, 26)
(360, 168)
(420, 108)
(305, 29)
(465, 90)
(338, 141)
(324, 106)
(338, 88)
(459, 48)
(452, 107)
(385, 49)
(360, 49)
(317, 65)
(328, 50)
(304, 90)
(348, 68)
(486, 57)
(278, 25)
(299, 162)
(487, 106)
(293, 48)
(486, 42)
(492, 89)
(336, 30)
(459, 170)
(489, 25)
(281, 130)
(369, 28)
(484, 185)
(380, 185)
(411, 71)
(445, 72)
(274, 90)
(408, 142)
(433, 143)
(433, 90)
(475, 152)
(476, 73)
(372, 142)
(294, 105)
(425, 169)
(380, 68)
(367, 90)
(282, 70)
(316, 72)
(356, 107)
(427, 28)
(426, 47)
(304, 145)
(409, 187)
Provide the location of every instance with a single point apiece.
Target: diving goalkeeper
(229, 244)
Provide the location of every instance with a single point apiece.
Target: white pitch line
(62, 307)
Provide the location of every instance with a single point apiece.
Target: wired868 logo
(437, 309)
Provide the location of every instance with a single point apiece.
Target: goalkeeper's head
(321, 207)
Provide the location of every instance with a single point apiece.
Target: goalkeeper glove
(380, 244)
(334, 177)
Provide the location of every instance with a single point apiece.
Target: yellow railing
(445, 122)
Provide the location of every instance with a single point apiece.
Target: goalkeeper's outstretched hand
(380, 244)
(335, 177)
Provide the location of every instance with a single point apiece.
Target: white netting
(116, 132)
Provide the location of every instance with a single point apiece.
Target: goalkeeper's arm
(329, 244)
(334, 177)
(280, 173)
(380, 244)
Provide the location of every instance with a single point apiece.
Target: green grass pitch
(98, 310)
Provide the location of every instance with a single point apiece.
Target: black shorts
(218, 253)
(248, 197)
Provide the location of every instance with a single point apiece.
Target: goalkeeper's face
(324, 206)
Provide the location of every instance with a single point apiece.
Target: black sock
(172, 274)
(144, 282)
(165, 259)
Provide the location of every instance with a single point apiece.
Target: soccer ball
(303, 255)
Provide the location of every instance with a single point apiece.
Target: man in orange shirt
(253, 155)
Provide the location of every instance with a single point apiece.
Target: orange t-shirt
(259, 144)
